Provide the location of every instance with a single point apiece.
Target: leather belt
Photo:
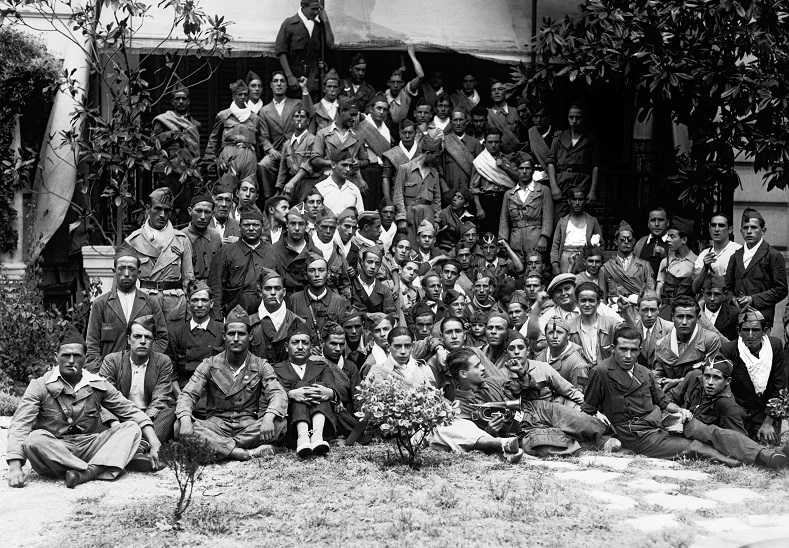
(160, 286)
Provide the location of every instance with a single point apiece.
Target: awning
(489, 29)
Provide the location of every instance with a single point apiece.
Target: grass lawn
(357, 497)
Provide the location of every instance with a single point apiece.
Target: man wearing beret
(759, 374)
(165, 256)
(340, 136)
(246, 405)
(355, 87)
(144, 377)
(235, 137)
(417, 190)
(299, 43)
(289, 254)
(236, 268)
(205, 240)
(111, 312)
(57, 425)
(195, 339)
(756, 275)
(270, 324)
(277, 126)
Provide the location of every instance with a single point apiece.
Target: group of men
(454, 251)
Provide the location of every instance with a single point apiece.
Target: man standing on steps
(165, 256)
(236, 384)
(57, 424)
(629, 396)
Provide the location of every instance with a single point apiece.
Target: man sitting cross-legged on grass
(628, 394)
(310, 387)
(468, 385)
(245, 403)
(56, 426)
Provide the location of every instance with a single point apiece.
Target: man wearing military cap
(236, 268)
(245, 403)
(377, 139)
(222, 194)
(340, 136)
(759, 374)
(630, 274)
(756, 275)
(326, 241)
(717, 309)
(300, 42)
(399, 93)
(271, 322)
(417, 190)
(235, 137)
(165, 256)
(327, 108)
(352, 321)
(255, 84)
(144, 377)
(354, 87)
(400, 154)
(290, 253)
(367, 291)
(277, 126)
(205, 240)
(178, 134)
(368, 233)
(57, 424)
(492, 175)
(111, 312)
(195, 339)
(295, 177)
(317, 303)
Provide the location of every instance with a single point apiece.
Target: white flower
(595, 239)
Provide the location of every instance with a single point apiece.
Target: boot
(772, 459)
(318, 445)
(303, 447)
(75, 477)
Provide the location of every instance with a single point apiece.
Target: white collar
(297, 138)
(505, 109)
(87, 377)
(329, 106)
(663, 238)
(203, 326)
(390, 99)
(368, 288)
(307, 22)
(316, 297)
(140, 366)
(674, 342)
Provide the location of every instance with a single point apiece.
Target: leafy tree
(118, 147)
(721, 67)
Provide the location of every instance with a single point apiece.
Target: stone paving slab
(652, 523)
(617, 463)
(766, 520)
(614, 502)
(732, 495)
(682, 475)
(720, 525)
(676, 501)
(764, 537)
(592, 477)
(554, 464)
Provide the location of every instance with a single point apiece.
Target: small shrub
(8, 404)
(780, 405)
(187, 457)
(406, 413)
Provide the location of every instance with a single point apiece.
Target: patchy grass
(359, 497)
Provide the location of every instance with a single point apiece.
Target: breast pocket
(110, 333)
(410, 189)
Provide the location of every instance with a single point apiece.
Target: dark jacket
(269, 343)
(317, 313)
(234, 277)
(754, 405)
(289, 264)
(380, 300)
(720, 410)
(107, 326)
(726, 322)
(116, 368)
(187, 349)
(764, 279)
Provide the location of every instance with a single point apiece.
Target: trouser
(113, 449)
(303, 412)
(491, 205)
(268, 170)
(576, 424)
(224, 435)
(568, 259)
(458, 436)
(162, 423)
(729, 442)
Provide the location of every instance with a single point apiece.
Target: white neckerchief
(747, 254)
(254, 107)
(309, 23)
(387, 236)
(674, 343)
(439, 124)
(474, 99)
(368, 288)
(277, 317)
(346, 248)
(378, 353)
(409, 153)
(331, 108)
(203, 326)
(362, 241)
(758, 367)
(241, 113)
(325, 249)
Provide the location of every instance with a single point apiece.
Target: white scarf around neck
(241, 113)
(325, 249)
(674, 343)
(748, 254)
(277, 317)
(758, 367)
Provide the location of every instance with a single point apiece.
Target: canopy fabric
(489, 29)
